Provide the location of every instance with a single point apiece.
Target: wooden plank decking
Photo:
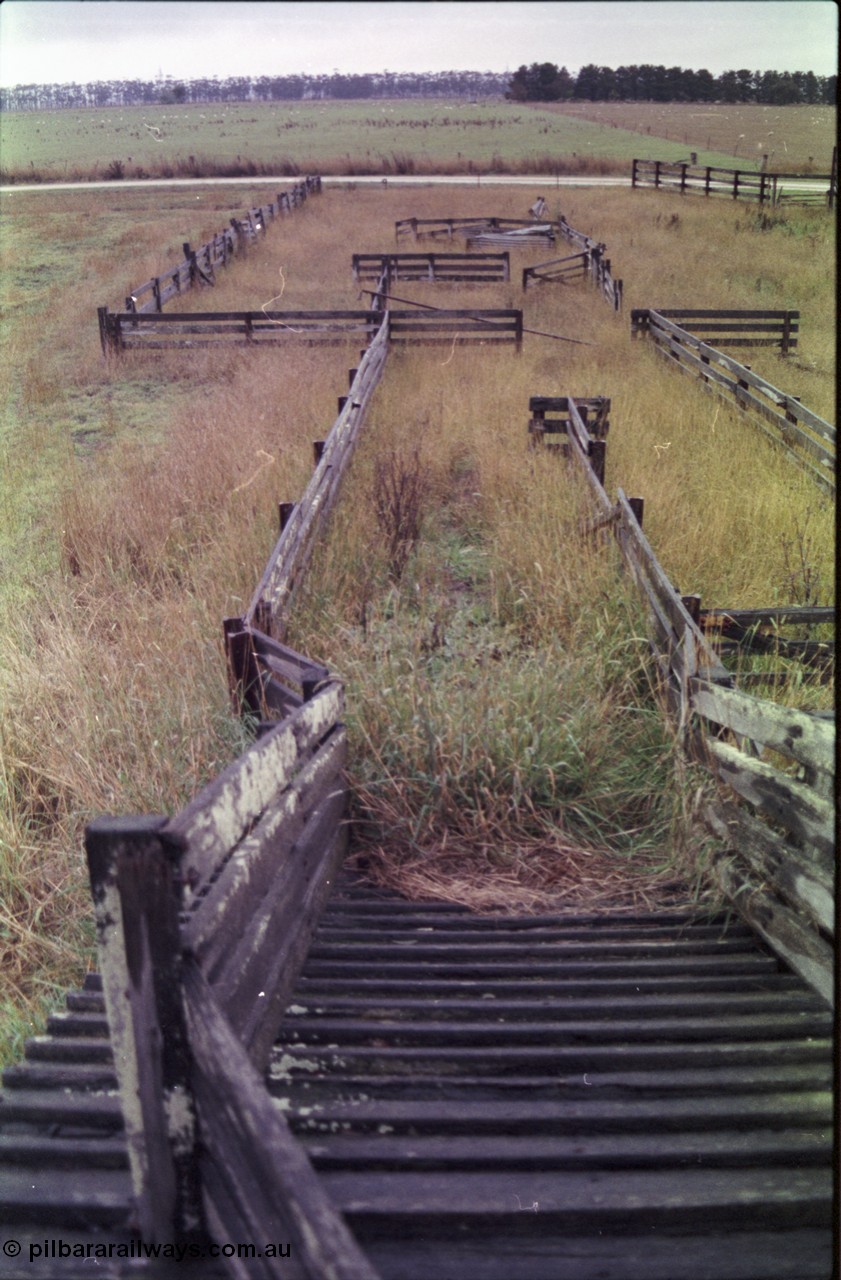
(512, 1098)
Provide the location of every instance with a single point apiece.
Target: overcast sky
(55, 41)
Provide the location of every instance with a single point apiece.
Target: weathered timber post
(785, 341)
(518, 331)
(637, 505)
(284, 514)
(692, 604)
(190, 258)
(537, 428)
(640, 322)
(240, 235)
(634, 164)
(243, 676)
(596, 451)
(136, 888)
(318, 445)
(707, 178)
(106, 339)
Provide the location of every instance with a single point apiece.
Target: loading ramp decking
(565, 1097)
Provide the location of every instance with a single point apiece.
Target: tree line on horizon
(540, 82)
(546, 82)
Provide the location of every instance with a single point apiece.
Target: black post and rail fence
(763, 188)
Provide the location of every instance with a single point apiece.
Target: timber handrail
(204, 922)
(295, 545)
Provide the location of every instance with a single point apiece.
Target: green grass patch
(284, 138)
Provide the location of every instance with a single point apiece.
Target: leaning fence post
(243, 676)
(104, 331)
(136, 888)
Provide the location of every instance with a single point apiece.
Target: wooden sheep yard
(283, 1073)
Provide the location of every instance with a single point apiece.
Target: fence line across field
(739, 184)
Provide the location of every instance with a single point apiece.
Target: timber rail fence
(738, 184)
(199, 265)
(190, 912)
(447, 268)
(807, 438)
(781, 883)
(588, 262)
(122, 331)
(205, 921)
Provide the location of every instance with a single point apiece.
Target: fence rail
(738, 184)
(519, 238)
(809, 440)
(572, 267)
(728, 328)
(476, 268)
(125, 331)
(303, 521)
(495, 326)
(436, 228)
(775, 815)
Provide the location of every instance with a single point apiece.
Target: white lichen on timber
(217, 824)
(285, 1104)
(282, 1068)
(116, 983)
(817, 898)
(297, 1009)
(180, 1120)
(214, 822)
